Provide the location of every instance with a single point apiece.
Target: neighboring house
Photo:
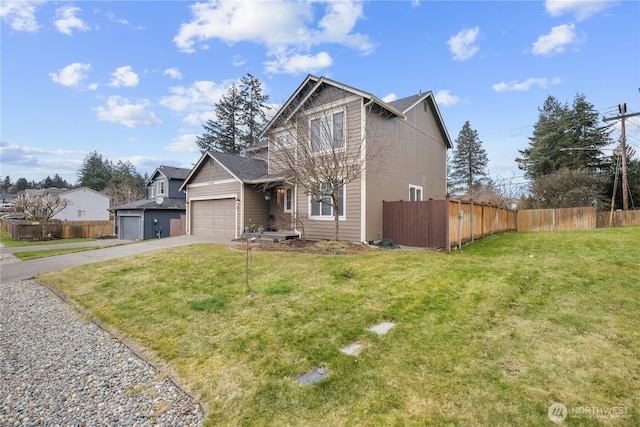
(83, 204)
(226, 193)
(151, 217)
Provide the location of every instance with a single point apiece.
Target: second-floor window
(327, 132)
(160, 188)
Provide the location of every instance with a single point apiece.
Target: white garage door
(214, 218)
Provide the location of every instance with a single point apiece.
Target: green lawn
(6, 240)
(488, 336)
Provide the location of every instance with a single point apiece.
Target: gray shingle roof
(173, 172)
(245, 168)
(167, 203)
(403, 104)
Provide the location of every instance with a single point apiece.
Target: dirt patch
(324, 247)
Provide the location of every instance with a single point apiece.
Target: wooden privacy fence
(440, 224)
(469, 221)
(557, 219)
(178, 226)
(29, 230)
(581, 218)
(421, 224)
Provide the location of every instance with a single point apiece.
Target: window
(288, 200)
(322, 208)
(415, 193)
(159, 188)
(82, 213)
(327, 132)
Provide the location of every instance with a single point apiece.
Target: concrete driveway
(23, 270)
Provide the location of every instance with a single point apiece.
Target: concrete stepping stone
(352, 349)
(382, 328)
(313, 376)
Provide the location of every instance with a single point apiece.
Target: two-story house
(151, 217)
(375, 150)
(82, 204)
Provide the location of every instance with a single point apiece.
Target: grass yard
(6, 241)
(488, 336)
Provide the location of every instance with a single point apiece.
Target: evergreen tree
(224, 133)
(253, 109)
(22, 184)
(468, 165)
(95, 173)
(240, 116)
(5, 185)
(564, 137)
(126, 185)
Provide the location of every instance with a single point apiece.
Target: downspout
(295, 211)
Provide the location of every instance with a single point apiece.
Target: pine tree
(564, 137)
(240, 116)
(253, 109)
(468, 165)
(95, 172)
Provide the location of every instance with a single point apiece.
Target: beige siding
(211, 197)
(256, 208)
(416, 156)
(210, 171)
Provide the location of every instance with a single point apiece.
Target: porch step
(270, 236)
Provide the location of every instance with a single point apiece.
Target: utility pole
(622, 110)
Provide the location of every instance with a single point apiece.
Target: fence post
(459, 225)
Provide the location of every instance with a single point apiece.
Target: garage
(215, 218)
(129, 228)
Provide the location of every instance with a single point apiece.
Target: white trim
(285, 210)
(218, 197)
(208, 183)
(328, 115)
(416, 187)
(342, 217)
(363, 173)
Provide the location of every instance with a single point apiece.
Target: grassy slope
(491, 335)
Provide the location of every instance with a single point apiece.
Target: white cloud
(444, 97)
(186, 143)
(556, 41)
(390, 97)
(71, 75)
(39, 161)
(124, 76)
(120, 110)
(202, 95)
(173, 72)
(464, 44)
(297, 63)
(289, 33)
(66, 20)
(581, 9)
(21, 15)
(514, 86)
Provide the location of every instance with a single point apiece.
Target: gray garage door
(130, 228)
(215, 218)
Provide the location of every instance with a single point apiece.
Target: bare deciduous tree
(315, 150)
(42, 208)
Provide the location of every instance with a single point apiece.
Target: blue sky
(135, 80)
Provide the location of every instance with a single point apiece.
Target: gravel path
(57, 369)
